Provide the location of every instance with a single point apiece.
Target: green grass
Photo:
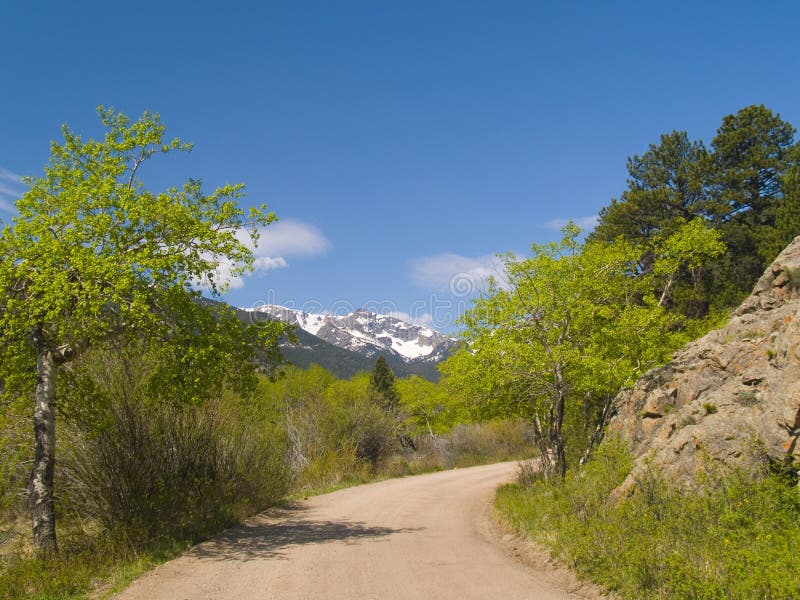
(98, 569)
(737, 539)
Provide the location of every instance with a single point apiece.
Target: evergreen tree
(382, 383)
(666, 188)
(745, 186)
(751, 157)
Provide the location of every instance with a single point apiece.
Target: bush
(145, 466)
(732, 538)
(15, 455)
(492, 441)
(138, 476)
(171, 470)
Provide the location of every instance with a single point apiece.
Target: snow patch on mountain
(367, 332)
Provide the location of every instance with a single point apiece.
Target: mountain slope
(369, 333)
(346, 345)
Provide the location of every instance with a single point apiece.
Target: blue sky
(402, 144)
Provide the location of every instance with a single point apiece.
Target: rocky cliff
(732, 396)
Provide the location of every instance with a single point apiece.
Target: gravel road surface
(427, 536)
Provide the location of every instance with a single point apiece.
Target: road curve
(415, 537)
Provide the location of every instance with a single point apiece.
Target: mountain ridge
(348, 344)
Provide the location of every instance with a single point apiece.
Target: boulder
(731, 397)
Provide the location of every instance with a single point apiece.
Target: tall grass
(734, 537)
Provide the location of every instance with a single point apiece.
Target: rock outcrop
(732, 396)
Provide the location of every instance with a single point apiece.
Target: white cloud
(585, 223)
(457, 274)
(224, 271)
(7, 175)
(277, 242)
(11, 188)
(425, 319)
(290, 237)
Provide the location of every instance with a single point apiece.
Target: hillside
(348, 344)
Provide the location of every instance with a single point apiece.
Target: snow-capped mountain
(368, 333)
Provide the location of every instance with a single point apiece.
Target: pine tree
(382, 383)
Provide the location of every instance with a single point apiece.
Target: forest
(176, 419)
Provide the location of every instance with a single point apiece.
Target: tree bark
(40, 487)
(557, 422)
(606, 413)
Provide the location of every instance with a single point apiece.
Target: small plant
(751, 334)
(735, 539)
(771, 353)
(794, 276)
(747, 398)
(710, 408)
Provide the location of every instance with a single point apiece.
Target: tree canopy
(743, 186)
(93, 255)
(570, 326)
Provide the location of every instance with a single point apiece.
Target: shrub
(734, 537)
(145, 466)
(15, 455)
(488, 442)
(171, 470)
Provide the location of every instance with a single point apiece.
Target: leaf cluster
(743, 186)
(94, 255)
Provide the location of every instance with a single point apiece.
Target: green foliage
(14, 451)
(735, 538)
(97, 254)
(431, 407)
(95, 257)
(572, 325)
(81, 567)
(745, 187)
(785, 214)
(146, 467)
(336, 430)
(141, 476)
(339, 435)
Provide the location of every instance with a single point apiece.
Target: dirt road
(416, 537)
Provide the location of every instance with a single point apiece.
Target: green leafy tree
(571, 326)
(430, 408)
(93, 256)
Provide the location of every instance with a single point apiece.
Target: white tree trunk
(40, 488)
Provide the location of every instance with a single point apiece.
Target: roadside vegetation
(141, 476)
(140, 480)
(175, 419)
(570, 325)
(735, 537)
